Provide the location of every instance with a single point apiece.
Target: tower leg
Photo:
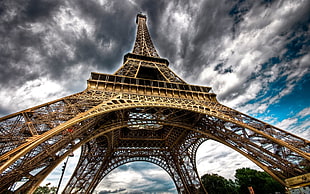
(97, 160)
(86, 173)
(184, 163)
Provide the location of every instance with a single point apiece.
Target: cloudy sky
(254, 54)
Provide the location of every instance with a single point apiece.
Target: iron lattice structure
(143, 112)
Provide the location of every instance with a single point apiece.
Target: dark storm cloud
(111, 22)
(4, 110)
(33, 44)
(19, 40)
(50, 39)
(36, 10)
(212, 23)
(111, 191)
(149, 8)
(207, 24)
(222, 70)
(16, 38)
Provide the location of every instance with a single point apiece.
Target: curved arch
(119, 125)
(120, 104)
(164, 160)
(136, 159)
(209, 135)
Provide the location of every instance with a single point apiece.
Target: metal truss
(150, 122)
(143, 44)
(97, 166)
(143, 112)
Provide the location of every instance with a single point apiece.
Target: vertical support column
(185, 164)
(91, 159)
(187, 172)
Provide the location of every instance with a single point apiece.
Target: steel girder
(178, 162)
(279, 153)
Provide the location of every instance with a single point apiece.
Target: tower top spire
(143, 45)
(140, 15)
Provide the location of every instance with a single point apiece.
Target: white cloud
(216, 158)
(305, 112)
(287, 123)
(294, 74)
(298, 124)
(77, 76)
(30, 94)
(69, 20)
(302, 127)
(175, 21)
(303, 130)
(135, 176)
(257, 40)
(300, 67)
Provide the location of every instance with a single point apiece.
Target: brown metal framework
(143, 112)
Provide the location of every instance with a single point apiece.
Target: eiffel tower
(142, 112)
